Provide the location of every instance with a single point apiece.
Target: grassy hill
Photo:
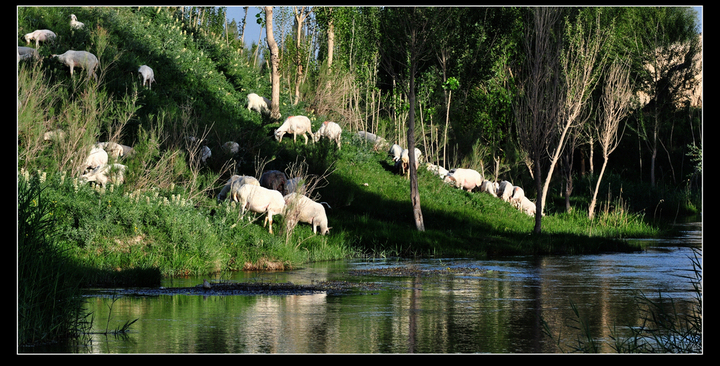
(165, 217)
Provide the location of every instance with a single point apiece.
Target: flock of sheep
(466, 179)
(273, 193)
(98, 167)
(71, 58)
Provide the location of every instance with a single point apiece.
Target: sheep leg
(268, 218)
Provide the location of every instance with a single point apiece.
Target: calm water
(494, 311)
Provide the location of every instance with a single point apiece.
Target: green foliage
(50, 305)
(164, 220)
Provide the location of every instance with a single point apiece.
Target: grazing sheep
(467, 179)
(74, 24)
(331, 130)
(83, 59)
(231, 148)
(296, 125)
(96, 158)
(26, 53)
(233, 185)
(113, 149)
(377, 141)
(437, 170)
(274, 179)
(489, 187)
(116, 150)
(405, 160)
(258, 104)
(261, 200)
(296, 184)
(526, 206)
(517, 195)
(395, 152)
(504, 190)
(147, 75)
(112, 173)
(300, 208)
(40, 35)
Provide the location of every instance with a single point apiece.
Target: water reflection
(496, 311)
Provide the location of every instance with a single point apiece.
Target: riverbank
(162, 233)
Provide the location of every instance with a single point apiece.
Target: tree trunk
(274, 62)
(591, 209)
(331, 43)
(242, 34)
(539, 202)
(414, 191)
(300, 16)
(568, 162)
(653, 156)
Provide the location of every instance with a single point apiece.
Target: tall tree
(244, 23)
(540, 94)
(581, 64)
(666, 41)
(408, 32)
(274, 61)
(615, 103)
(301, 14)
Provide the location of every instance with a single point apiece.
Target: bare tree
(274, 62)
(582, 62)
(540, 91)
(615, 103)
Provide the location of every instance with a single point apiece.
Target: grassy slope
(376, 217)
(457, 223)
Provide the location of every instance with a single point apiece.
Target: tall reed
(50, 306)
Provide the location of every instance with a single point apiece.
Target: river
(496, 309)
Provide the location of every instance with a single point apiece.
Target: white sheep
(26, 53)
(517, 195)
(504, 190)
(112, 173)
(467, 179)
(405, 160)
(258, 104)
(83, 59)
(526, 206)
(116, 150)
(40, 35)
(377, 141)
(96, 158)
(437, 170)
(296, 125)
(395, 152)
(233, 184)
(489, 187)
(147, 75)
(261, 200)
(74, 24)
(331, 130)
(300, 208)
